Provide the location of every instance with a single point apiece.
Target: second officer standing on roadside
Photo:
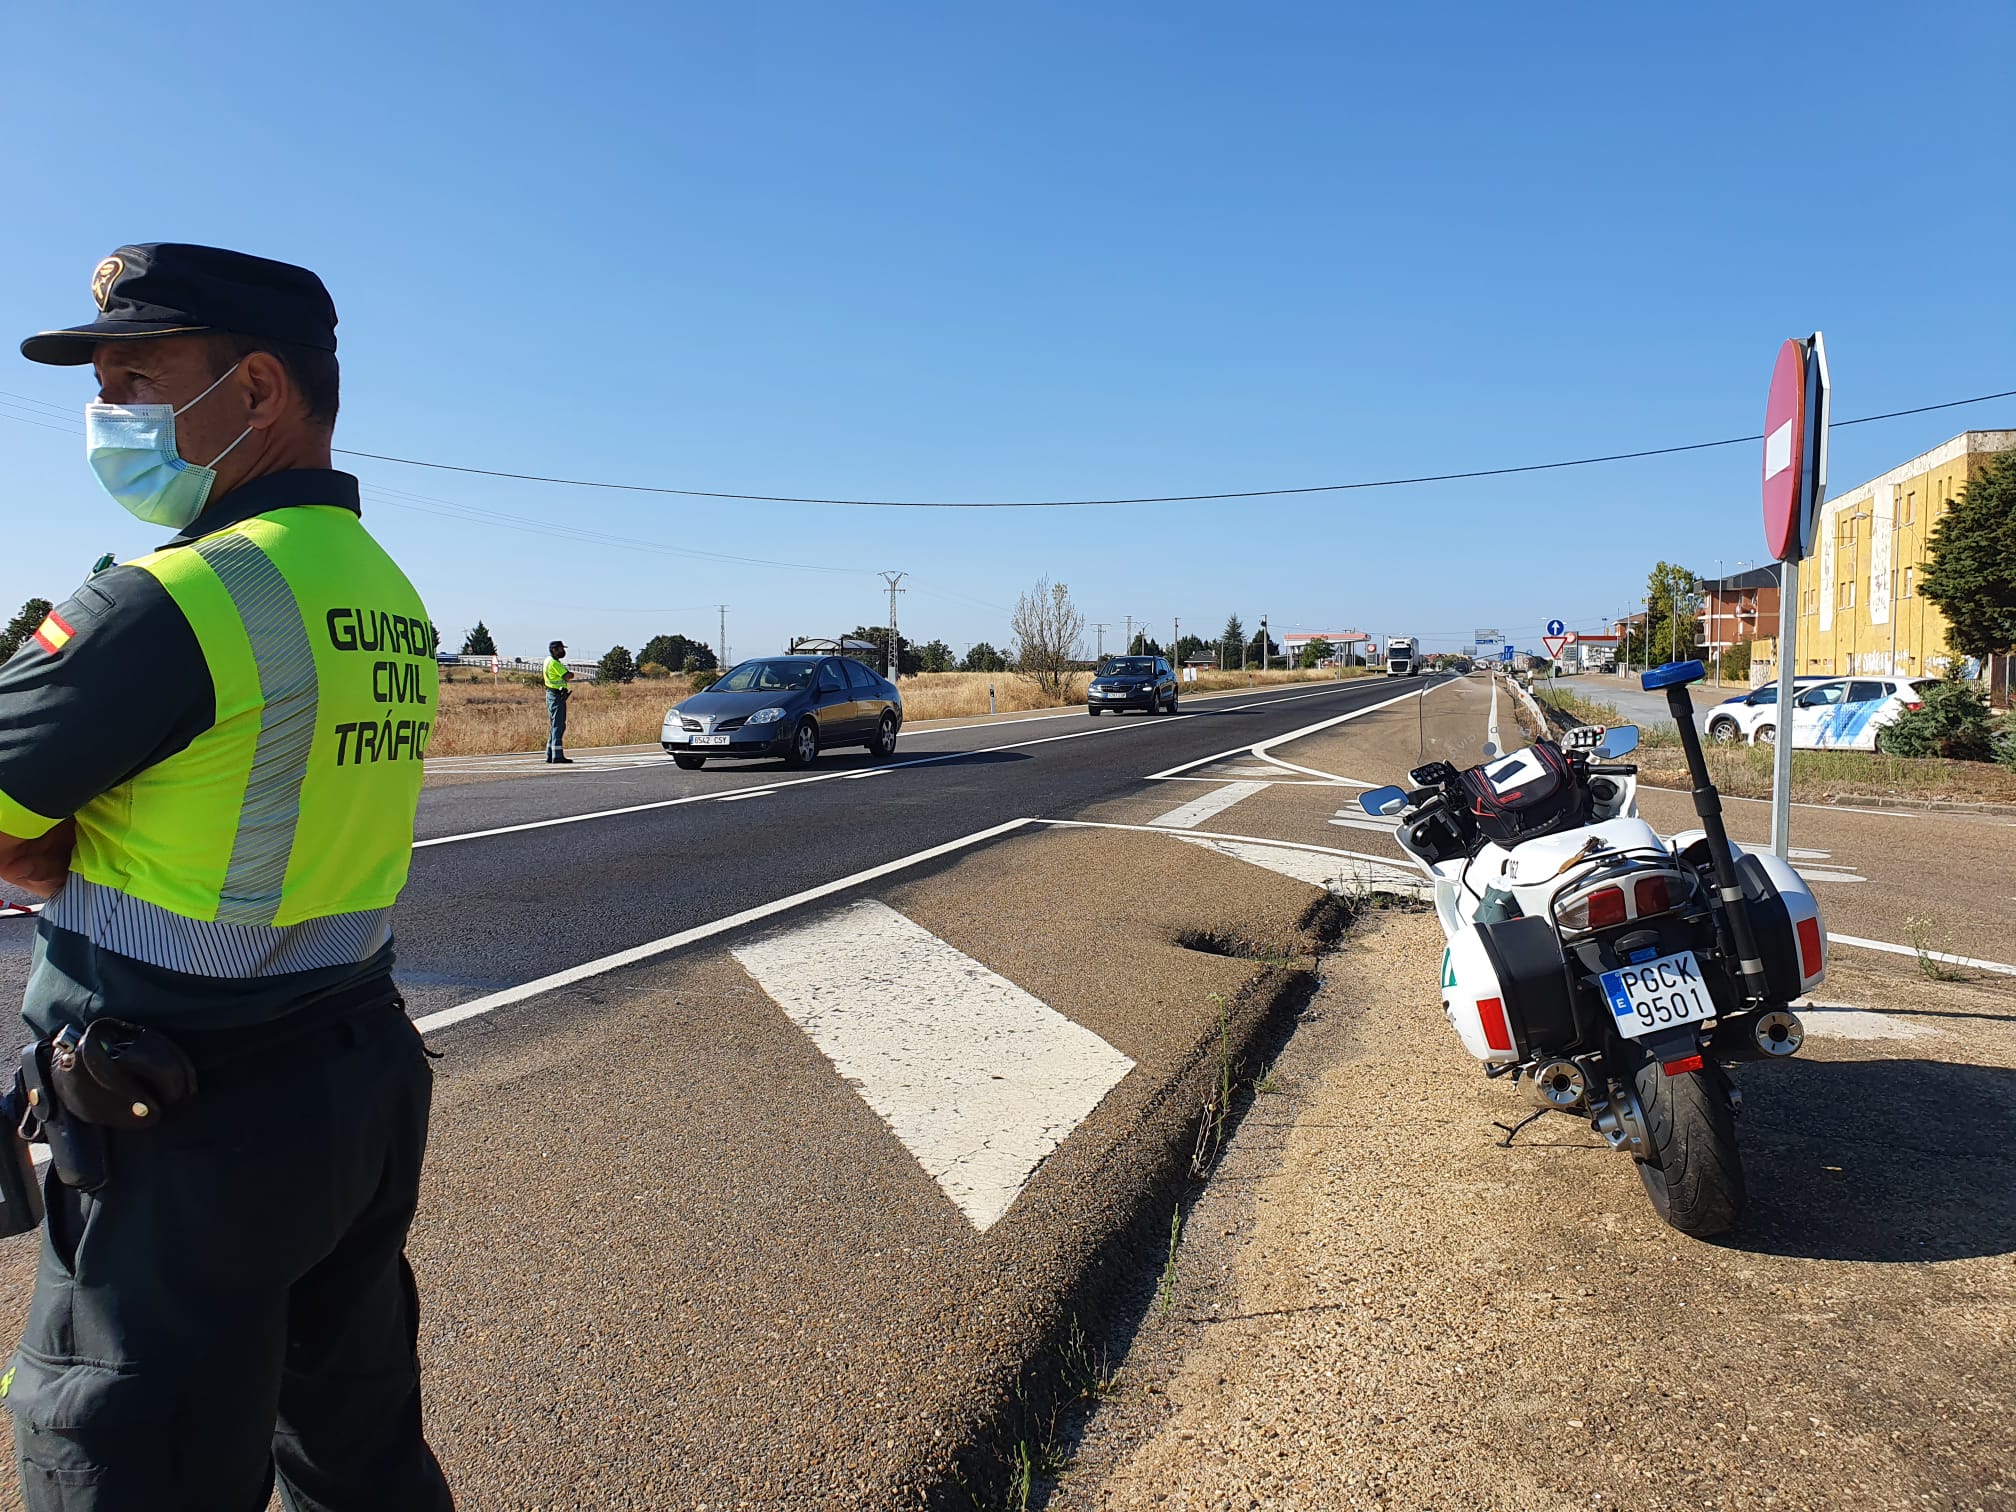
(557, 691)
(210, 763)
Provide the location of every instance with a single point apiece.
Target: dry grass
(481, 719)
(1744, 771)
(478, 717)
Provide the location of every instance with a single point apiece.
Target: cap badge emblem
(101, 280)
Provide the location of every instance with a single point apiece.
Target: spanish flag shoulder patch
(54, 633)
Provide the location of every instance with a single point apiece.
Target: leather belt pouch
(120, 1075)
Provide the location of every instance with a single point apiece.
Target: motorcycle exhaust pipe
(1773, 1034)
(1561, 1084)
(1778, 1033)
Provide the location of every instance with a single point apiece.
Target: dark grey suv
(1146, 683)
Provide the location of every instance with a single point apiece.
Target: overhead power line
(1198, 498)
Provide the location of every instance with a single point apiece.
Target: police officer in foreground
(209, 764)
(557, 691)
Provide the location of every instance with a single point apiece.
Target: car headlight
(766, 716)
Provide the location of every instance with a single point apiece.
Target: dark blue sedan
(791, 707)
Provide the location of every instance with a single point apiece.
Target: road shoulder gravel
(1378, 1306)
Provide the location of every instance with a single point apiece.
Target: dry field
(480, 718)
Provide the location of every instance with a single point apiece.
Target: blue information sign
(1555, 627)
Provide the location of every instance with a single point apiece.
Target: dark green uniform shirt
(129, 689)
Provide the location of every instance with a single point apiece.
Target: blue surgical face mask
(132, 450)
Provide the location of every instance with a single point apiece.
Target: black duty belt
(76, 1084)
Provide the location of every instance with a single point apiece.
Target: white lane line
(761, 792)
(1331, 873)
(477, 1007)
(1491, 724)
(1858, 1024)
(980, 1080)
(1255, 751)
(871, 772)
(1814, 873)
(1938, 955)
(1265, 746)
(1195, 812)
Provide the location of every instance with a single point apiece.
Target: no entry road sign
(1795, 447)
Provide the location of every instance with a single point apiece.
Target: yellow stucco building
(1860, 608)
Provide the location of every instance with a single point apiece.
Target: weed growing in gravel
(1920, 927)
(1169, 1265)
(1218, 1105)
(1266, 1081)
(1086, 1377)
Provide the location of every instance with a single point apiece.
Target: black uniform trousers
(236, 1300)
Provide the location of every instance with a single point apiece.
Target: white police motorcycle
(1618, 974)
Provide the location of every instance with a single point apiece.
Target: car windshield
(1129, 666)
(768, 677)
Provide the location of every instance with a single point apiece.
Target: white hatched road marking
(980, 1080)
(1195, 812)
(477, 1007)
(1347, 820)
(1331, 873)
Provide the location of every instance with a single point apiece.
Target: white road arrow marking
(979, 1080)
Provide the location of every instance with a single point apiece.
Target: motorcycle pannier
(1525, 957)
(1530, 792)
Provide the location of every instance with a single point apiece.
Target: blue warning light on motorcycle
(1671, 675)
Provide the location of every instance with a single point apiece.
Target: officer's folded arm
(38, 866)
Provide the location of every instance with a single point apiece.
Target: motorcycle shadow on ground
(1889, 1160)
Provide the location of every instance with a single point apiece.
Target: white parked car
(1737, 716)
(1840, 713)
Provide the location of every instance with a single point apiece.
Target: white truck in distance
(1403, 657)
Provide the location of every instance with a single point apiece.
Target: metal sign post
(1795, 483)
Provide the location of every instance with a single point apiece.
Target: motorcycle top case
(1531, 792)
(1505, 991)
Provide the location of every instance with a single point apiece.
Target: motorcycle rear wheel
(1694, 1176)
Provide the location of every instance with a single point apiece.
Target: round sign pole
(1795, 480)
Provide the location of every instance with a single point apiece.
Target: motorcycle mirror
(1621, 740)
(1383, 803)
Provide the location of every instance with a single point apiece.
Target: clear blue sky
(1040, 250)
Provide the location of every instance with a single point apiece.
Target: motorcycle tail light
(1606, 907)
(1651, 895)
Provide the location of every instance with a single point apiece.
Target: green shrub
(2004, 742)
(702, 681)
(1953, 722)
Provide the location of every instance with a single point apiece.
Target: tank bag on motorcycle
(1530, 792)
